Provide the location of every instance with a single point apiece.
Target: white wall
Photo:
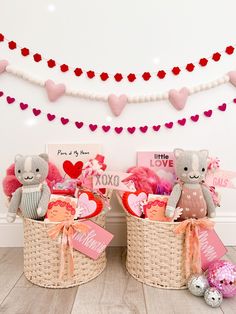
(120, 36)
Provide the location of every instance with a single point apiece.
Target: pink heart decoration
(134, 201)
(222, 107)
(23, 106)
(54, 91)
(117, 104)
(93, 127)
(208, 113)
(79, 125)
(131, 130)
(64, 121)
(118, 130)
(194, 118)
(169, 125)
(1, 93)
(106, 128)
(3, 65)
(179, 98)
(182, 121)
(143, 129)
(10, 100)
(232, 77)
(36, 112)
(156, 128)
(51, 117)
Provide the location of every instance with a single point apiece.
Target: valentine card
(155, 208)
(160, 162)
(61, 208)
(69, 158)
(212, 247)
(92, 243)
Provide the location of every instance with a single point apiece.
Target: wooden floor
(114, 291)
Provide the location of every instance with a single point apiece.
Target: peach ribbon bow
(191, 229)
(67, 230)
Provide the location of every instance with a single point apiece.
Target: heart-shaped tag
(117, 104)
(73, 171)
(54, 91)
(179, 98)
(132, 201)
(88, 205)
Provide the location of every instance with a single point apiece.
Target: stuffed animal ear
(204, 153)
(178, 152)
(44, 156)
(18, 157)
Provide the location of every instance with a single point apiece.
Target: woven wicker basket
(155, 255)
(42, 258)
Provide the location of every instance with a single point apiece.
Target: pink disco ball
(222, 276)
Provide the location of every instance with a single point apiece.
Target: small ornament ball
(222, 275)
(197, 285)
(213, 297)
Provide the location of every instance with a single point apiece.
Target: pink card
(212, 247)
(94, 242)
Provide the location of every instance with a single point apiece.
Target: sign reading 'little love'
(92, 243)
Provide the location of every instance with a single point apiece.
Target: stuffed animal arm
(14, 205)
(172, 203)
(209, 201)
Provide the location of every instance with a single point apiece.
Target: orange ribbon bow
(191, 229)
(67, 229)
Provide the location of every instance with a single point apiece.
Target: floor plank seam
(12, 288)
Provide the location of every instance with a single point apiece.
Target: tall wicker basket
(42, 258)
(155, 255)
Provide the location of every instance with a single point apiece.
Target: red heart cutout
(88, 205)
(10, 100)
(222, 107)
(93, 127)
(195, 118)
(208, 113)
(79, 125)
(182, 121)
(36, 112)
(156, 128)
(73, 171)
(106, 128)
(51, 117)
(143, 129)
(64, 121)
(132, 202)
(131, 130)
(169, 125)
(118, 130)
(23, 106)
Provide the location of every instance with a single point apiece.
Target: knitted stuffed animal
(33, 197)
(190, 193)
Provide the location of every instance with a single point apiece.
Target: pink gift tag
(212, 247)
(92, 243)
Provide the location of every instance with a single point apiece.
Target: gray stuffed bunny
(190, 193)
(33, 197)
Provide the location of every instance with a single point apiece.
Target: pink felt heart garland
(118, 130)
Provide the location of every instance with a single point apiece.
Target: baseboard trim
(11, 235)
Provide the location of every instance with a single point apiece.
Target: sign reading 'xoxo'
(111, 180)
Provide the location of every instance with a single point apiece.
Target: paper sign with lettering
(222, 178)
(58, 153)
(112, 180)
(92, 243)
(212, 247)
(160, 162)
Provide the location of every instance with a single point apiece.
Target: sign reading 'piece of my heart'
(73, 170)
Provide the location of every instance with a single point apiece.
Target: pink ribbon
(67, 230)
(192, 248)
